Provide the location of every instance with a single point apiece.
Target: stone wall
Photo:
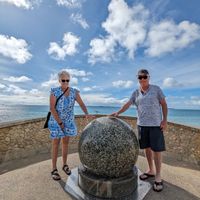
(27, 138)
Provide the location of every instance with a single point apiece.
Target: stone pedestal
(77, 193)
(108, 187)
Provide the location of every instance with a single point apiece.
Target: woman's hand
(61, 125)
(89, 117)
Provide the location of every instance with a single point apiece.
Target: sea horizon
(12, 104)
(17, 112)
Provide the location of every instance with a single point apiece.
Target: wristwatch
(60, 123)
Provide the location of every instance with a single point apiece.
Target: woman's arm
(81, 103)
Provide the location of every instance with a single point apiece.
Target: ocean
(10, 113)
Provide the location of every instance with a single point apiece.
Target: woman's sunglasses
(143, 77)
(65, 81)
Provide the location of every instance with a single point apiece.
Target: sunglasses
(143, 77)
(65, 81)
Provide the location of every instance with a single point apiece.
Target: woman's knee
(65, 140)
(55, 142)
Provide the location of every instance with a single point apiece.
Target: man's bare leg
(158, 162)
(149, 156)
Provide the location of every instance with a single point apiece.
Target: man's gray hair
(63, 72)
(143, 71)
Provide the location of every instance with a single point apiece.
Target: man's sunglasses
(142, 77)
(65, 81)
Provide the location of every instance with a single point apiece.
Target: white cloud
(183, 102)
(69, 47)
(15, 90)
(87, 89)
(79, 73)
(122, 84)
(35, 92)
(77, 18)
(102, 99)
(26, 4)
(167, 36)
(102, 50)
(2, 86)
(195, 100)
(85, 79)
(53, 81)
(171, 83)
(26, 98)
(125, 26)
(75, 74)
(133, 27)
(17, 79)
(70, 3)
(16, 49)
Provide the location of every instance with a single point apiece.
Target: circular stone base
(107, 187)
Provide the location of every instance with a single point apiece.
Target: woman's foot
(145, 176)
(66, 169)
(55, 175)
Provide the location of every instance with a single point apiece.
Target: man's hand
(163, 125)
(115, 114)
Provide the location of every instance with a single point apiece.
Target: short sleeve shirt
(148, 106)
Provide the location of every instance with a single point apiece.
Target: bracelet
(60, 123)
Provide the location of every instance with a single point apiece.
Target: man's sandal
(158, 186)
(55, 175)
(66, 169)
(145, 176)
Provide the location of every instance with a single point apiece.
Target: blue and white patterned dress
(65, 109)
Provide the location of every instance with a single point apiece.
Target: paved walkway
(33, 182)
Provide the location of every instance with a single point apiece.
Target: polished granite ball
(108, 147)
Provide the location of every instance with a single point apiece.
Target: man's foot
(158, 186)
(145, 176)
(66, 169)
(55, 175)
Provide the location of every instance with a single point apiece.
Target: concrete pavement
(33, 181)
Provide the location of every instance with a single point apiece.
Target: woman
(61, 123)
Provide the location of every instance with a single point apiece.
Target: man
(152, 121)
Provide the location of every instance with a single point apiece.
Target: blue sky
(102, 44)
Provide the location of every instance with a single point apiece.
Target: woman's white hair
(63, 72)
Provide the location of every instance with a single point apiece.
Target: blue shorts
(151, 137)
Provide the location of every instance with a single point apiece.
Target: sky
(102, 43)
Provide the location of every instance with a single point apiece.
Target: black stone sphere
(108, 147)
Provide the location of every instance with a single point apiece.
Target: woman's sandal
(145, 176)
(66, 169)
(158, 186)
(55, 175)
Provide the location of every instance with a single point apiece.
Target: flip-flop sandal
(145, 176)
(158, 186)
(55, 175)
(66, 169)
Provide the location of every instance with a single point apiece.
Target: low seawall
(28, 138)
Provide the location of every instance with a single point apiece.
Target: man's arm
(163, 124)
(122, 109)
